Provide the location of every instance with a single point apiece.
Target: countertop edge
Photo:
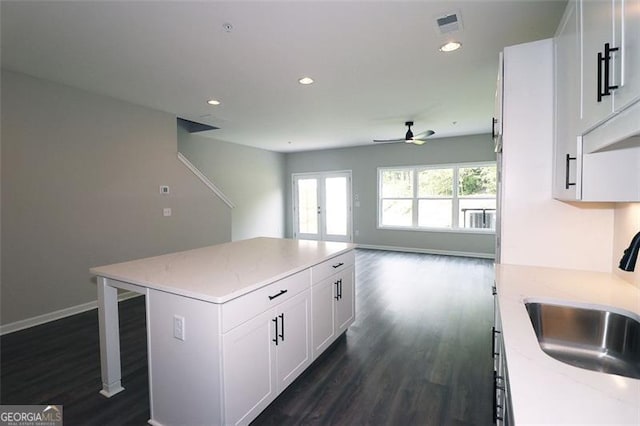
(99, 271)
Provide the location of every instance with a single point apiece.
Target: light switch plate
(178, 327)
(166, 212)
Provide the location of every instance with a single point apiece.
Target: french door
(322, 206)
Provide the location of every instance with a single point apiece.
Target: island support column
(109, 328)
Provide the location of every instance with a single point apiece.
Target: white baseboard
(428, 251)
(56, 315)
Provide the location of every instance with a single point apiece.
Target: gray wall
(363, 162)
(252, 179)
(80, 188)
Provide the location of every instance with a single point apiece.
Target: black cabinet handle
(599, 76)
(494, 290)
(281, 326)
(493, 342)
(275, 320)
(338, 265)
(496, 406)
(337, 284)
(494, 121)
(277, 295)
(567, 183)
(604, 63)
(340, 287)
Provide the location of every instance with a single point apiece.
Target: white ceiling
(376, 63)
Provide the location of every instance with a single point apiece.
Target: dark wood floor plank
(418, 354)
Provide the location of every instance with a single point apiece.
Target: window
(453, 197)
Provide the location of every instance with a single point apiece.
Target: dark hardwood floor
(418, 354)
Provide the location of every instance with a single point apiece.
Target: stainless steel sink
(593, 339)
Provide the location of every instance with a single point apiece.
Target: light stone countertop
(545, 391)
(223, 272)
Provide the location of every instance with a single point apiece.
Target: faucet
(628, 261)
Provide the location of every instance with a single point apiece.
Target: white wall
(80, 188)
(536, 229)
(363, 161)
(253, 179)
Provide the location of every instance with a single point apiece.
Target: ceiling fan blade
(389, 140)
(416, 141)
(424, 134)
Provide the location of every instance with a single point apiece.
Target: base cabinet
(502, 410)
(236, 357)
(334, 308)
(263, 356)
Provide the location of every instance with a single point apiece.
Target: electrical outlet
(178, 327)
(166, 212)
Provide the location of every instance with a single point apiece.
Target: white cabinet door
(496, 123)
(627, 15)
(323, 317)
(345, 304)
(249, 363)
(615, 24)
(293, 349)
(566, 50)
(597, 30)
(333, 301)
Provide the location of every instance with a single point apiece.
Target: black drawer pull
(568, 159)
(275, 320)
(493, 342)
(279, 294)
(281, 326)
(338, 265)
(604, 63)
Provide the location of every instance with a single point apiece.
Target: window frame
(455, 198)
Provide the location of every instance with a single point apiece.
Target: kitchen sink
(594, 339)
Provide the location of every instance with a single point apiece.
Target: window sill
(443, 230)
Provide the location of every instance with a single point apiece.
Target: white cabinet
(610, 58)
(627, 14)
(596, 91)
(333, 301)
(566, 52)
(248, 369)
(334, 308)
(262, 356)
(496, 121)
(502, 409)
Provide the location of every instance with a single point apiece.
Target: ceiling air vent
(449, 23)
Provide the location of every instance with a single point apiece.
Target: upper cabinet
(610, 58)
(597, 102)
(496, 121)
(566, 55)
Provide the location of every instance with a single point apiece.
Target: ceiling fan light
(418, 142)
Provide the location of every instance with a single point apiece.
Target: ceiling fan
(418, 139)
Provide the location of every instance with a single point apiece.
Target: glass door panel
(322, 206)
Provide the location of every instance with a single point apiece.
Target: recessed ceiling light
(305, 80)
(213, 102)
(451, 46)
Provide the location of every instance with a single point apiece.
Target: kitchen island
(543, 390)
(229, 326)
